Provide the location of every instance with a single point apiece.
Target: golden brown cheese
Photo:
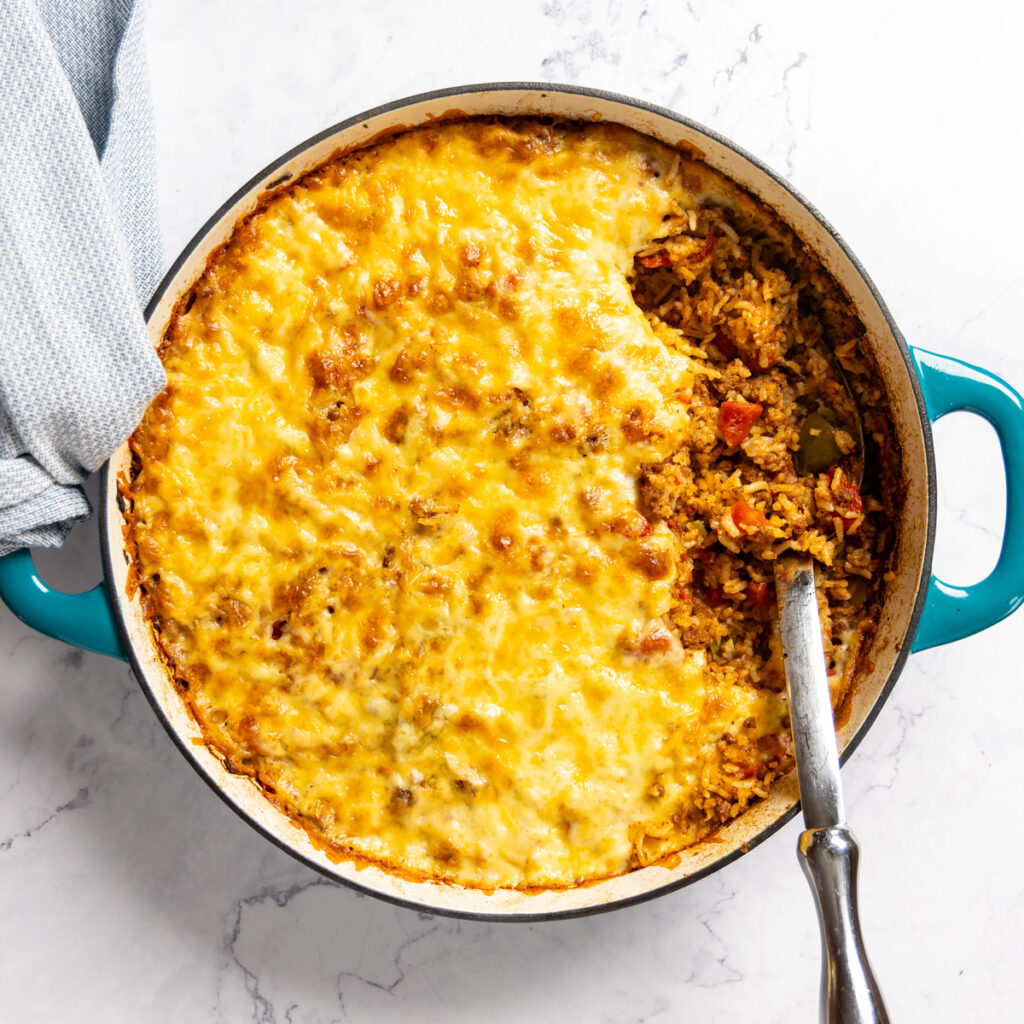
(386, 510)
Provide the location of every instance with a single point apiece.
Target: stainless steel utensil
(828, 851)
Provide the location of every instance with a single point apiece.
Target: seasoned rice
(765, 323)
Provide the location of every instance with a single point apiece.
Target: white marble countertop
(130, 892)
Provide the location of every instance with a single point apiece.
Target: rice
(756, 311)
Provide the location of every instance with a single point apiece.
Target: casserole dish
(918, 610)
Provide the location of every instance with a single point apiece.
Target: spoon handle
(849, 992)
(828, 852)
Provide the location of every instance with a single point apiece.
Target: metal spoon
(828, 851)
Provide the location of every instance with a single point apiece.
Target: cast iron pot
(920, 611)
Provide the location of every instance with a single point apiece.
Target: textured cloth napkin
(79, 254)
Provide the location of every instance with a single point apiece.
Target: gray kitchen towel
(79, 254)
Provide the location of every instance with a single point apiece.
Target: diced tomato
(725, 344)
(849, 504)
(705, 555)
(735, 420)
(657, 259)
(748, 520)
(845, 489)
(761, 361)
(759, 593)
(709, 248)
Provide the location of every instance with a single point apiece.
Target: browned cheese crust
(456, 520)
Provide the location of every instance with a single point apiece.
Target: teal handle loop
(950, 612)
(84, 620)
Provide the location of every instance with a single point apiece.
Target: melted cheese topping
(387, 514)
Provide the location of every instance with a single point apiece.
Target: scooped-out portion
(455, 522)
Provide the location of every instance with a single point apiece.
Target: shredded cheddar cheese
(386, 510)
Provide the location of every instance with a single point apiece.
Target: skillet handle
(83, 620)
(953, 612)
